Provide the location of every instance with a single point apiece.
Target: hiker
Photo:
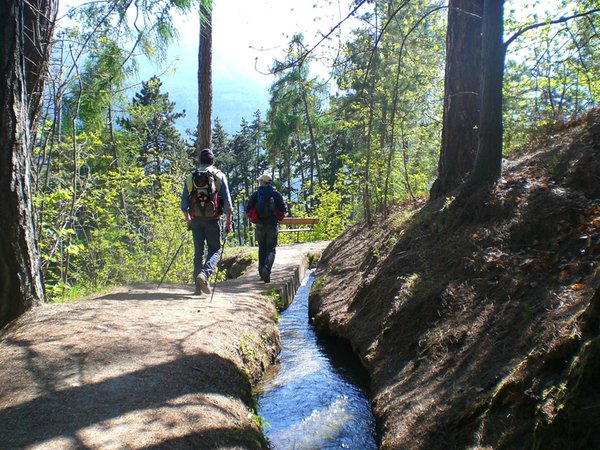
(266, 208)
(204, 198)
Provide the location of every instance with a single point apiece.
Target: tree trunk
(300, 159)
(367, 178)
(313, 140)
(488, 163)
(205, 78)
(461, 95)
(239, 230)
(25, 32)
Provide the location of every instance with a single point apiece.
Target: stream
(316, 396)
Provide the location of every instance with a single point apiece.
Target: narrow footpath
(143, 367)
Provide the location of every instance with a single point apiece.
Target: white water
(314, 400)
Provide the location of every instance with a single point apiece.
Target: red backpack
(203, 187)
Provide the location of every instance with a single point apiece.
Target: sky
(247, 37)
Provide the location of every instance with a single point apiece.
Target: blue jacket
(268, 191)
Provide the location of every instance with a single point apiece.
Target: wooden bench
(298, 224)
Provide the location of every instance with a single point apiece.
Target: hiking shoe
(198, 290)
(202, 285)
(265, 274)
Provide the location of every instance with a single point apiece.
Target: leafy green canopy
(109, 170)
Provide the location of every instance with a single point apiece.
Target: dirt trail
(143, 367)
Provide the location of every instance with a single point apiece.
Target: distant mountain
(235, 96)
(247, 37)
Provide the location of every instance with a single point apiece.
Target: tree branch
(413, 28)
(552, 22)
(304, 55)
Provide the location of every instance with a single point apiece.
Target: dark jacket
(268, 191)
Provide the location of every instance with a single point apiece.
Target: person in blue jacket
(266, 208)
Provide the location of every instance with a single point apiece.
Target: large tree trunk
(461, 95)
(25, 33)
(488, 163)
(205, 77)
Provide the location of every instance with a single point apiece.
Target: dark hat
(206, 156)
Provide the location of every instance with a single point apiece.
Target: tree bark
(488, 163)
(311, 133)
(367, 178)
(25, 33)
(205, 78)
(462, 87)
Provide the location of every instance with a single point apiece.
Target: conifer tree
(151, 122)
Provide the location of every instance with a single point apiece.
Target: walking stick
(219, 262)
(172, 259)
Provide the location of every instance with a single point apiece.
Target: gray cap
(265, 177)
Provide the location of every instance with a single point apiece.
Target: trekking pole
(173, 259)
(218, 263)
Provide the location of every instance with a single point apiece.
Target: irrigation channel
(316, 396)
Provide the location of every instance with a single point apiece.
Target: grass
(313, 258)
(241, 252)
(319, 283)
(75, 293)
(248, 353)
(274, 295)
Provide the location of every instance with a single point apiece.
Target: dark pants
(266, 237)
(207, 232)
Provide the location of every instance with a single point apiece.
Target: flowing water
(316, 397)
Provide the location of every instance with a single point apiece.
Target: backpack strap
(189, 180)
(189, 183)
(218, 178)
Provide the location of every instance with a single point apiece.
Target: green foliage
(333, 207)
(551, 72)
(259, 421)
(274, 295)
(105, 219)
(156, 143)
(109, 171)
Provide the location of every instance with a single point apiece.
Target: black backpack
(265, 208)
(204, 194)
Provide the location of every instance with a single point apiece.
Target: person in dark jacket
(266, 208)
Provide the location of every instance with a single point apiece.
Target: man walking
(266, 208)
(204, 198)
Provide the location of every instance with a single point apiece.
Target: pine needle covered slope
(479, 321)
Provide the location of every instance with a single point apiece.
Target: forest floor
(142, 367)
(478, 318)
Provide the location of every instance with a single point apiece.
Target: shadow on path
(65, 412)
